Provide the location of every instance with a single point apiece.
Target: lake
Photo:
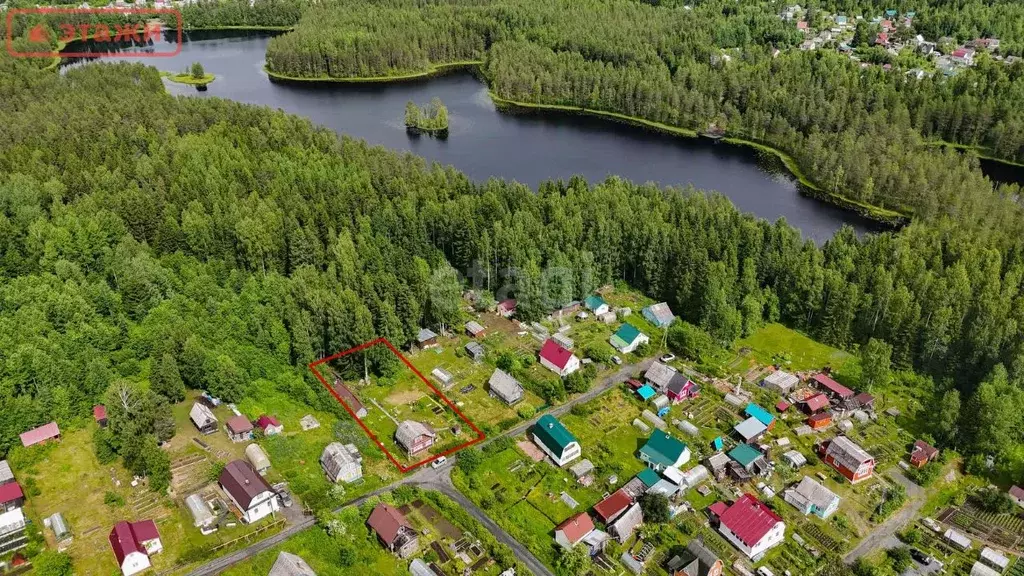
(528, 148)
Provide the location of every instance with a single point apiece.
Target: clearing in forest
(408, 397)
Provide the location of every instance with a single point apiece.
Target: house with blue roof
(663, 451)
(596, 304)
(555, 440)
(762, 415)
(628, 338)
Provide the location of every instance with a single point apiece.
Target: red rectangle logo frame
(105, 10)
(403, 469)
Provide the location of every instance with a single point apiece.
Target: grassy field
(345, 545)
(775, 344)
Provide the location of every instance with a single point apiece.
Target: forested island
(430, 119)
(195, 75)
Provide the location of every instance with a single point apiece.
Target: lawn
(775, 344)
(343, 544)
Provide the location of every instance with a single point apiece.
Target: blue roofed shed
(755, 411)
(646, 392)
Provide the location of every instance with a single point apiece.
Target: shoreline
(807, 186)
(979, 151)
(435, 70)
(186, 79)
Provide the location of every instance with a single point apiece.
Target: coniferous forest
(868, 135)
(220, 246)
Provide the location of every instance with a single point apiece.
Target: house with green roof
(596, 304)
(663, 451)
(628, 338)
(747, 456)
(648, 477)
(555, 440)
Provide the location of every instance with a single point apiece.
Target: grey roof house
(505, 387)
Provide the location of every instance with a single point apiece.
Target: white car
(668, 358)
(439, 462)
(765, 571)
(616, 359)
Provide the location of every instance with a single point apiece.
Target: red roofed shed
(575, 528)
(815, 403)
(99, 413)
(611, 507)
(11, 496)
(39, 435)
(833, 387)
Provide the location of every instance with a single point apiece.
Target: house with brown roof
(815, 403)
(573, 530)
(922, 453)
(350, 399)
(44, 433)
(849, 459)
(393, 530)
(249, 492)
(133, 543)
(239, 429)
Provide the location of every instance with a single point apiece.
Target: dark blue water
(527, 148)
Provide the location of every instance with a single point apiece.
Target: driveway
(883, 536)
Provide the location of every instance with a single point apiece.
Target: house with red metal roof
(133, 543)
(44, 433)
(830, 386)
(270, 425)
(749, 525)
(573, 530)
(99, 413)
(248, 491)
(558, 359)
(11, 497)
(815, 403)
(613, 506)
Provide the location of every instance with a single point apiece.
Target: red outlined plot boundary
(479, 434)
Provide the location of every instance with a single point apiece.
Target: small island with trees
(431, 119)
(195, 75)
